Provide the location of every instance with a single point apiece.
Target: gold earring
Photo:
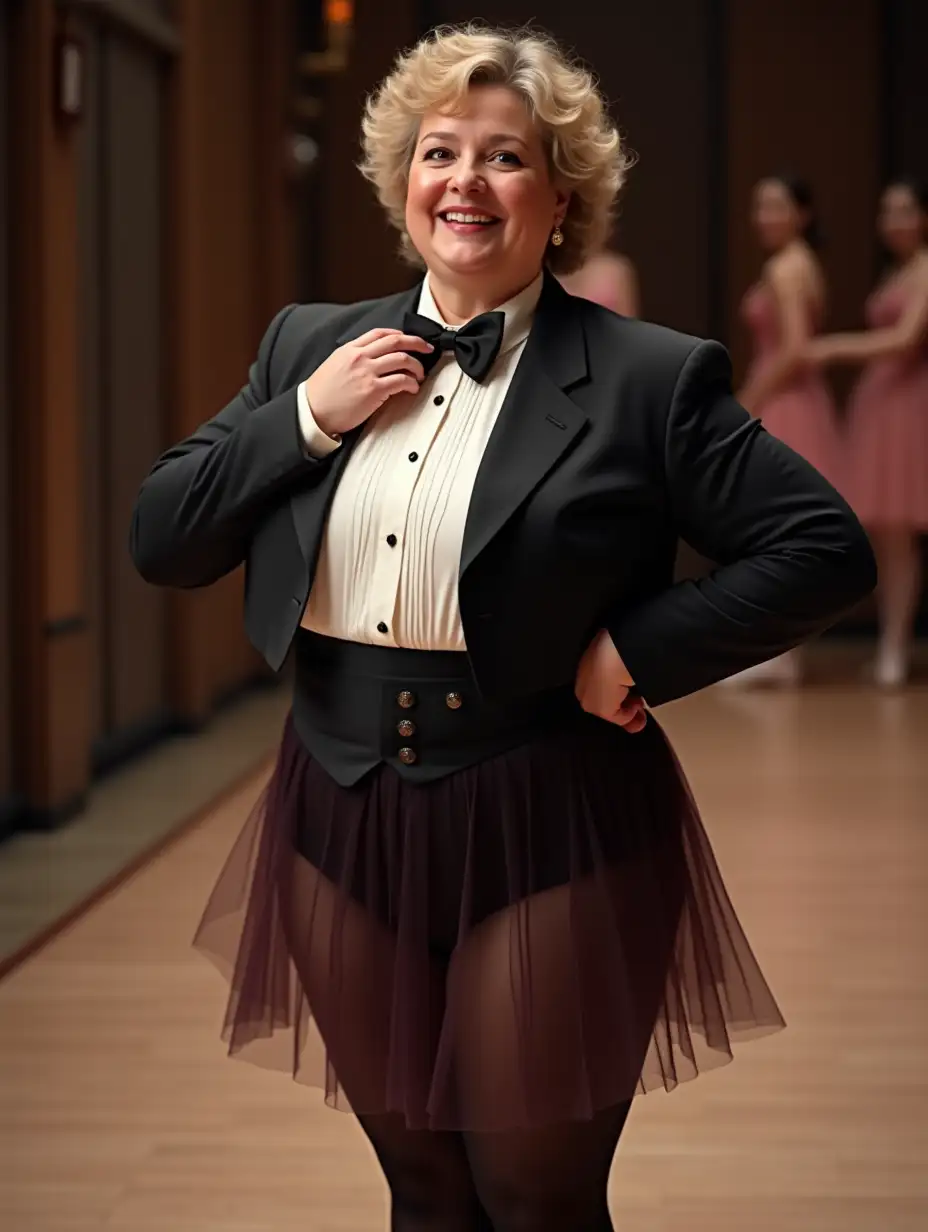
(557, 237)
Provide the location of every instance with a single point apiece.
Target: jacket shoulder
(649, 352)
(653, 343)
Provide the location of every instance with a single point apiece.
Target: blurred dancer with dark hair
(783, 310)
(887, 445)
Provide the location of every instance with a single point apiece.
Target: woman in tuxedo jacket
(477, 871)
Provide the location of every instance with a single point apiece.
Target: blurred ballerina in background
(610, 279)
(887, 424)
(783, 310)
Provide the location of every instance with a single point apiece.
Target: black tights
(550, 1179)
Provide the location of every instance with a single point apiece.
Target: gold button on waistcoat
(406, 699)
(406, 728)
(454, 701)
(407, 756)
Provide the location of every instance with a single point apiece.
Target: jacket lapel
(310, 506)
(537, 421)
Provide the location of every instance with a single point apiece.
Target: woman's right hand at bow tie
(358, 378)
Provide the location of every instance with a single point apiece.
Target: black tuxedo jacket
(616, 438)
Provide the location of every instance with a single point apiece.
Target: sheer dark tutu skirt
(527, 941)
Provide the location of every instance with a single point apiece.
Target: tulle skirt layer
(523, 942)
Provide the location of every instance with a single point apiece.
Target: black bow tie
(475, 345)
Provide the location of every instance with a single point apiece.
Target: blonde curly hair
(585, 152)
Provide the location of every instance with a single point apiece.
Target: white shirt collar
(519, 311)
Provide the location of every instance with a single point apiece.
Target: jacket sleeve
(197, 508)
(792, 557)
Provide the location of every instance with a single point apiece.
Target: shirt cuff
(316, 443)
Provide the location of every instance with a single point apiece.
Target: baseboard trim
(34, 818)
(10, 962)
(12, 815)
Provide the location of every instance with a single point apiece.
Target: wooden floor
(119, 1111)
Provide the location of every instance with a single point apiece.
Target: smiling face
(481, 204)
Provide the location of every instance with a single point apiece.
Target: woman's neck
(460, 302)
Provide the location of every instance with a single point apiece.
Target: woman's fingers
(397, 383)
(398, 361)
(384, 342)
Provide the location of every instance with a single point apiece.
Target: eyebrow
(493, 139)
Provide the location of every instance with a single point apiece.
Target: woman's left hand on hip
(605, 688)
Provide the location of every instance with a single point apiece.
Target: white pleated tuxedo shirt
(388, 568)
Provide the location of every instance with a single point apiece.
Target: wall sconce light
(339, 12)
(339, 27)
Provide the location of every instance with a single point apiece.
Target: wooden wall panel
(6, 581)
(136, 307)
(91, 145)
(222, 164)
(275, 191)
(132, 215)
(805, 92)
(906, 112)
(120, 225)
(52, 732)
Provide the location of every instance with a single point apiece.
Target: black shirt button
(439, 399)
(382, 628)
(391, 539)
(414, 457)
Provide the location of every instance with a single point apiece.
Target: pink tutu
(887, 432)
(803, 417)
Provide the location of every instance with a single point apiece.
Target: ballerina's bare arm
(909, 332)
